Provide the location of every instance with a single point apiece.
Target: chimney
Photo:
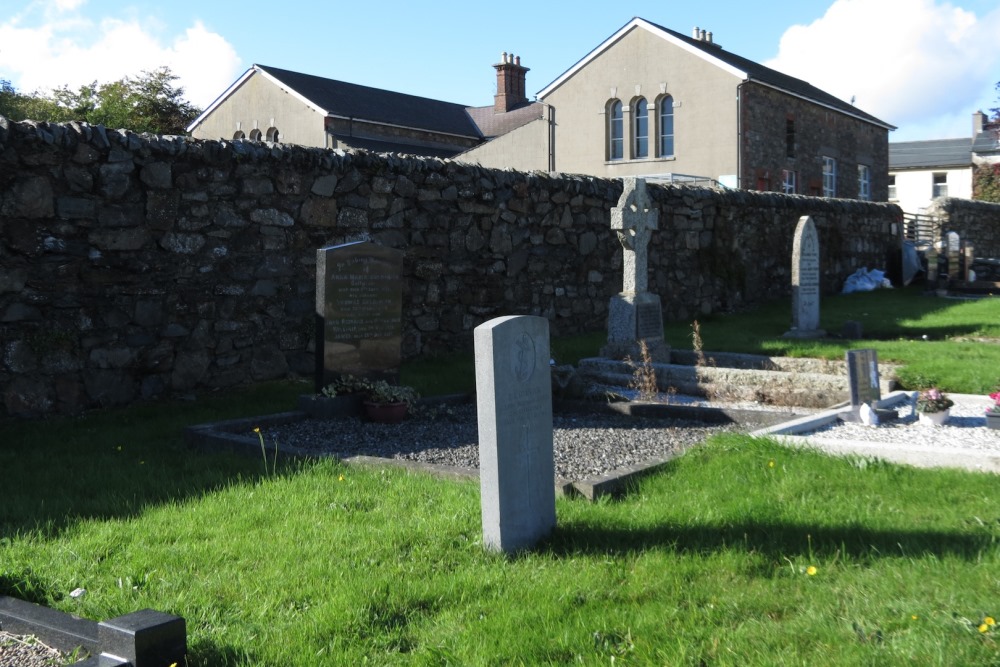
(510, 83)
(978, 123)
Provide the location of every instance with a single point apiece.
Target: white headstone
(514, 401)
(805, 281)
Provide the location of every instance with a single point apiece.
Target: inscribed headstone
(635, 314)
(514, 403)
(862, 374)
(805, 281)
(359, 305)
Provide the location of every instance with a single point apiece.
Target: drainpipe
(739, 135)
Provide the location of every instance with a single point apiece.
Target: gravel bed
(966, 428)
(27, 651)
(585, 446)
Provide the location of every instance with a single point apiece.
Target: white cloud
(922, 65)
(52, 44)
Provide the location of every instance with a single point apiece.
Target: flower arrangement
(995, 408)
(374, 391)
(933, 400)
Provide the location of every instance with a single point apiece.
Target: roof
(935, 153)
(350, 100)
(987, 141)
(493, 124)
(739, 66)
(376, 146)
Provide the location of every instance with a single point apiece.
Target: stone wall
(133, 267)
(976, 222)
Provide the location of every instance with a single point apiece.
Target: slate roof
(751, 70)
(351, 100)
(987, 141)
(940, 153)
(493, 124)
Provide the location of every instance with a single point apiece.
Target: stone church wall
(134, 267)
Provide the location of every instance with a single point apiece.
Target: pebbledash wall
(133, 267)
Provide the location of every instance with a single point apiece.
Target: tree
(146, 103)
(986, 183)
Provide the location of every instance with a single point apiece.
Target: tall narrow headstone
(359, 311)
(635, 314)
(514, 403)
(805, 281)
(862, 376)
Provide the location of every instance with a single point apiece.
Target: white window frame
(829, 176)
(616, 131)
(939, 188)
(864, 182)
(665, 134)
(789, 182)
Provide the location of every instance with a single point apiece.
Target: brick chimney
(510, 83)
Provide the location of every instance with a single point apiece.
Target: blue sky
(922, 65)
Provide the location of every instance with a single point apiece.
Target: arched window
(640, 128)
(665, 127)
(272, 134)
(616, 131)
(255, 134)
(239, 135)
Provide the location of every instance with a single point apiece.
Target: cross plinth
(635, 315)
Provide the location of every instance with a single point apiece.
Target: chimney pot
(510, 83)
(696, 33)
(709, 38)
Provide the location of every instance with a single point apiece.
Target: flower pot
(934, 418)
(386, 413)
(993, 420)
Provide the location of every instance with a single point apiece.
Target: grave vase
(993, 420)
(934, 418)
(386, 413)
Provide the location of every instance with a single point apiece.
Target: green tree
(986, 183)
(146, 103)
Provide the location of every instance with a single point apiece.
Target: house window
(892, 186)
(788, 184)
(864, 182)
(790, 137)
(829, 177)
(616, 135)
(640, 141)
(272, 134)
(255, 134)
(666, 127)
(940, 185)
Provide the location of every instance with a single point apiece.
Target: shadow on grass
(775, 540)
(114, 464)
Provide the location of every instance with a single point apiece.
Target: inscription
(522, 357)
(649, 321)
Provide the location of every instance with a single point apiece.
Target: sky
(922, 65)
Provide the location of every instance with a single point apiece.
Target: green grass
(704, 563)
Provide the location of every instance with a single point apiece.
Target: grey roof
(987, 141)
(771, 77)
(753, 71)
(493, 124)
(351, 100)
(929, 154)
(377, 146)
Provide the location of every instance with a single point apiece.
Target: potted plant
(993, 412)
(388, 403)
(933, 406)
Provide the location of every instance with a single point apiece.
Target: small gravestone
(635, 315)
(805, 282)
(865, 390)
(514, 403)
(359, 305)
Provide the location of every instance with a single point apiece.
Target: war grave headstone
(635, 315)
(514, 407)
(805, 281)
(359, 306)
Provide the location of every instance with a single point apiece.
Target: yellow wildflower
(984, 628)
(256, 429)
(989, 620)
(340, 479)
(811, 570)
(770, 464)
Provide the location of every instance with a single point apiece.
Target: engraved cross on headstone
(634, 219)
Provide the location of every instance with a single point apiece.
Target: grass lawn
(741, 552)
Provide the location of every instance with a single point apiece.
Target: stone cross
(634, 219)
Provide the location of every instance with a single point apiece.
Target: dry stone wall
(976, 222)
(134, 267)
